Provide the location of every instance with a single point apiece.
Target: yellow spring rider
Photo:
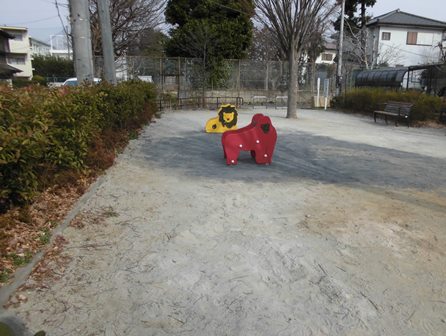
(225, 121)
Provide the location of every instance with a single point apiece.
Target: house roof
(6, 69)
(330, 46)
(6, 34)
(399, 18)
(13, 28)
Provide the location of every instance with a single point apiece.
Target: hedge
(44, 132)
(366, 100)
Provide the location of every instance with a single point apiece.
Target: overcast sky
(40, 16)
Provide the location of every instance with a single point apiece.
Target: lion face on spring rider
(226, 120)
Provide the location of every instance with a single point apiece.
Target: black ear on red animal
(265, 128)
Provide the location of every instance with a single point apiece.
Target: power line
(38, 20)
(52, 3)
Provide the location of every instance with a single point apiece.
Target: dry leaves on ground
(24, 231)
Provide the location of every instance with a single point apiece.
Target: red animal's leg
(232, 156)
(262, 157)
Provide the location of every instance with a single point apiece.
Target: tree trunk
(363, 18)
(292, 84)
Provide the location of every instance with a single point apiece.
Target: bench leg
(385, 118)
(374, 117)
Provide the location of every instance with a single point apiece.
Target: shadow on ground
(299, 156)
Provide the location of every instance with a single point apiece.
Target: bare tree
(357, 46)
(442, 52)
(388, 55)
(292, 21)
(129, 19)
(264, 46)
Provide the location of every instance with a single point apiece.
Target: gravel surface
(344, 234)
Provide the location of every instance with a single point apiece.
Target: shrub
(18, 82)
(44, 133)
(23, 140)
(39, 80)
(367, 100)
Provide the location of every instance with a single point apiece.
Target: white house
(328, 55)
(19, 55)
(39, 48)
(6, 71)
(402, 39)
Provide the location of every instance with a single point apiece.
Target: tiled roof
(330, 46)
(400, 18)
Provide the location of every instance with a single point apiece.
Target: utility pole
(80, 29)
(340, 46)
(107, 42)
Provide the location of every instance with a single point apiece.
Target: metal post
(107, 42)
(80, 28)
(161, 75)
(68, 42)
(266, 77)
(341, 42)
(238, 78)
(179, 77)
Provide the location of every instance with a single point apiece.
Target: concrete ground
(344, 234)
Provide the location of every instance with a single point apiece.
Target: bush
(18, 82)
(367, 100)
(44, 133)
(39, 80)
(53, 66)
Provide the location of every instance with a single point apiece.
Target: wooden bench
(397, 110)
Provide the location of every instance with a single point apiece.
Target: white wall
(38, 48)
(319, 59)
(396, 51)
(20, 52)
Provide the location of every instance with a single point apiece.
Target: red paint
(259, 137)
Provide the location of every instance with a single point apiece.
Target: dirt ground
(344, 234)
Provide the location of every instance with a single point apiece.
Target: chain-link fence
(190, 78)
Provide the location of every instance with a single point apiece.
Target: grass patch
(45, 236)
(21, 259)
(4, 276)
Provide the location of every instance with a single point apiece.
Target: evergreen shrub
(367, 100)
(45, 133)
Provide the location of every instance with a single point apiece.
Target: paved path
(344, 234)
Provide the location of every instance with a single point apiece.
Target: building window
(327, 57)
(385, 36)
(18, 60)
(412, 37)
(17, 36)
